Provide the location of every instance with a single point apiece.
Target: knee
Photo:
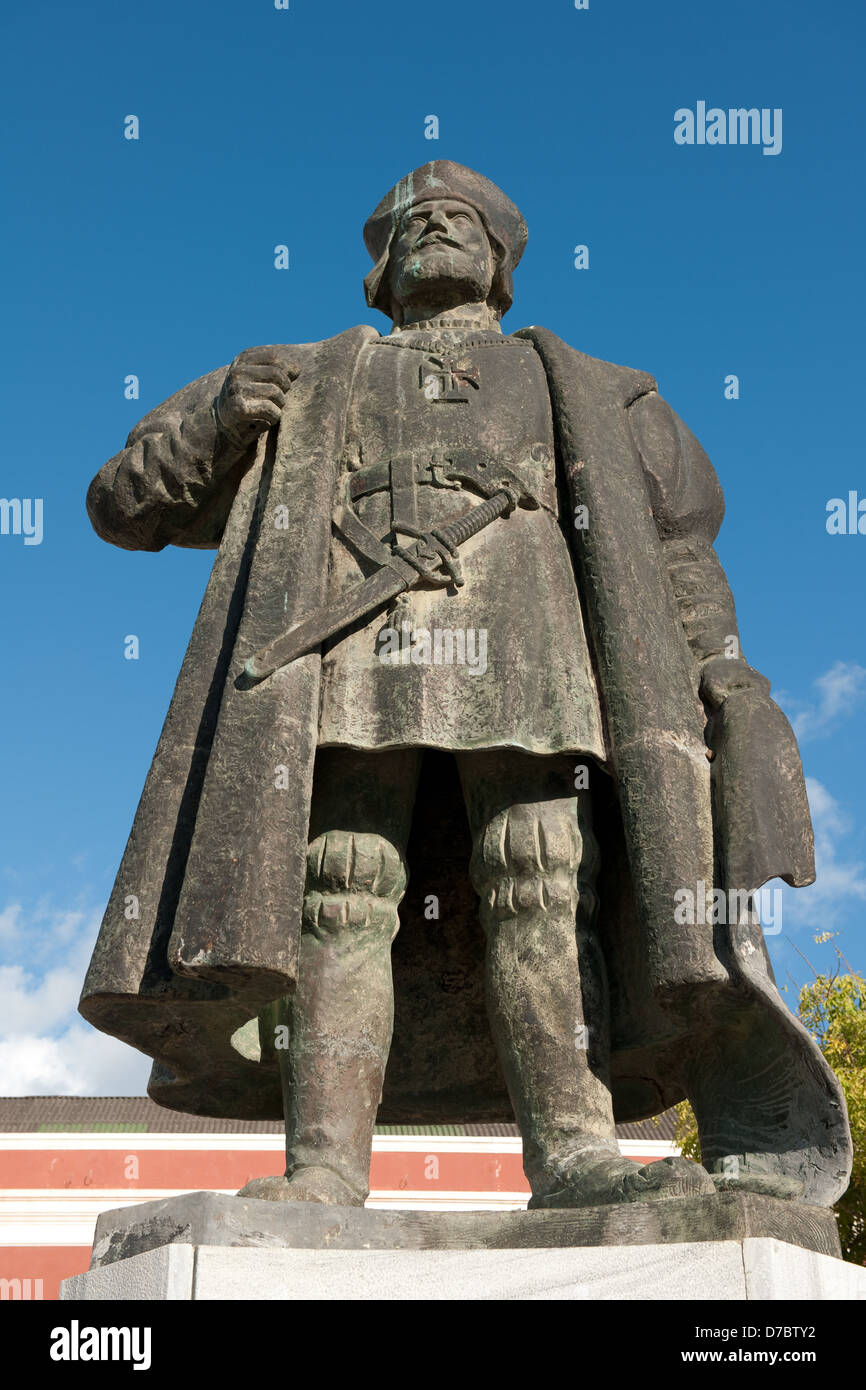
(354, 881)
(533, 858)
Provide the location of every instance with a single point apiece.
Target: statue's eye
(461, 217)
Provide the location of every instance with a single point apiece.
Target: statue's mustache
(438, 239)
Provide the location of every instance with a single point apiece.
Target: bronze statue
(466, 630)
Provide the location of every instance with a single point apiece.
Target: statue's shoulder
(338, 351)
(684, 489)
(355, 336)
(611, 377)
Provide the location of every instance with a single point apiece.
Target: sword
(392, 579)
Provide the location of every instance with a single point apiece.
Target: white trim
(447, 1143)
(39, 1218)
(132, 1142)
(449, 1201)
(648, 1148)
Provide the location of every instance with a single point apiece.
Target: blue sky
(155, 257)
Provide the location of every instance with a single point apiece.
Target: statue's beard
(442, 277)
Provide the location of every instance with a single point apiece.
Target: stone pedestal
(205, 1245)
(707, 1270)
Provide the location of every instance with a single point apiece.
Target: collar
(446, 325)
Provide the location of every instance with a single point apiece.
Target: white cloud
(840, 882)
(80, 1062)
(9, 918)
(838, 691)
(45, 1047)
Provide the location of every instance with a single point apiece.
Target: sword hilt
(456, 532)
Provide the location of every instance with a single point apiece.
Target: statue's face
(441, 255)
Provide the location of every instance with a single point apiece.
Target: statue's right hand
(253, 393)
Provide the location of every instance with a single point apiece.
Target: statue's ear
(376, 291)
(501, 294)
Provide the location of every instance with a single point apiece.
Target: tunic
(491, 664)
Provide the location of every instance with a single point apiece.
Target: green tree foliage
(833, 1008)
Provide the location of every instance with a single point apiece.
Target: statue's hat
(441, 178)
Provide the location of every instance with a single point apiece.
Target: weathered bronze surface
(552, 719)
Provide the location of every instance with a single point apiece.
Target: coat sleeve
(760, 808)
(688, 507)
(175, 480)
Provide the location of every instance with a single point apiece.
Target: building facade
(65, 1159)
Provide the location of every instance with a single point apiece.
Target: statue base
(206, 1245)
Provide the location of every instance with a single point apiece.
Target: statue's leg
(534, 866)
(341, 1016)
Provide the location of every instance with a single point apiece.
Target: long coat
(201, 933)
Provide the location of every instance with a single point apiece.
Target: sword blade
(385, 584)
(389, 581)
